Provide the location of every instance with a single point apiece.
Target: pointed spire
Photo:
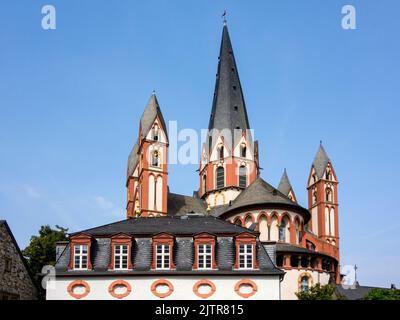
(284, 185)
(321, 161)
(228, 109)
(150, 113)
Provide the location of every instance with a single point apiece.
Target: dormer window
(245, 256)
(121, 257)
(246, 252)
(81, 257)
(204, 252)
(204, 255)
(121, 245)
(163, 252)
(163, 257)
(80, 252)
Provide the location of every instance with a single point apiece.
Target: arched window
(328, 195)
(305, 284)
(220, 177)
(204, 183)
(274, 230)
(242, 177)
(248, 222)
(297, 226)
(315, 197)
(209, 144)
(243, 150)
(283, 229)
(221, 152)
(155, 133)
(328, 175)
(155, 158)
(238, 222)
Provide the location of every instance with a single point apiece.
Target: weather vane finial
(224, 16)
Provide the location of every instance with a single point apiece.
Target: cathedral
(236, 237)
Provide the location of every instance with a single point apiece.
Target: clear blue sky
(70, 102)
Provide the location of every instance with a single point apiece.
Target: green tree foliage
(383, 294)
(318, 292)
(42, 249)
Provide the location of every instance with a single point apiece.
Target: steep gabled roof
(133, 159)
(150, 114)
(320, 162)
(179, 204)
(284, 185)
(262, 193)
(21, 256)
(228, 109)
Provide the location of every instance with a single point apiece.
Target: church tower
(229, 158)
(323, 199)
(147, 177)
(286, 187)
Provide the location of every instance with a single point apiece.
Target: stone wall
(15, 282)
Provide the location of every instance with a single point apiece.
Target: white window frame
(121, 255)
(162, 255)
(244, 255)
(202, 257)
(80, 255)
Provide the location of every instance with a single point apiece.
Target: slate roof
(355, 294)
(321, 161)
(150, 113)
(133, 159)
(183, 229)
(180, 204)
(228, 108)
(284, 185)
(185, 225)
(286, 247)
(262, 193)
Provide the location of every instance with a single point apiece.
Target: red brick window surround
(163, 244)
(246, 255)
(121, 252)
(204, 252)
(80, 258)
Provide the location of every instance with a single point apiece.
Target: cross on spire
(224, 16)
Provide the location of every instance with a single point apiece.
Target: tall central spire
(229, 109)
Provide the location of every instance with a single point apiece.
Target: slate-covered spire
(150, 113)
(284, 185)
(228, 109)
(321, 161)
